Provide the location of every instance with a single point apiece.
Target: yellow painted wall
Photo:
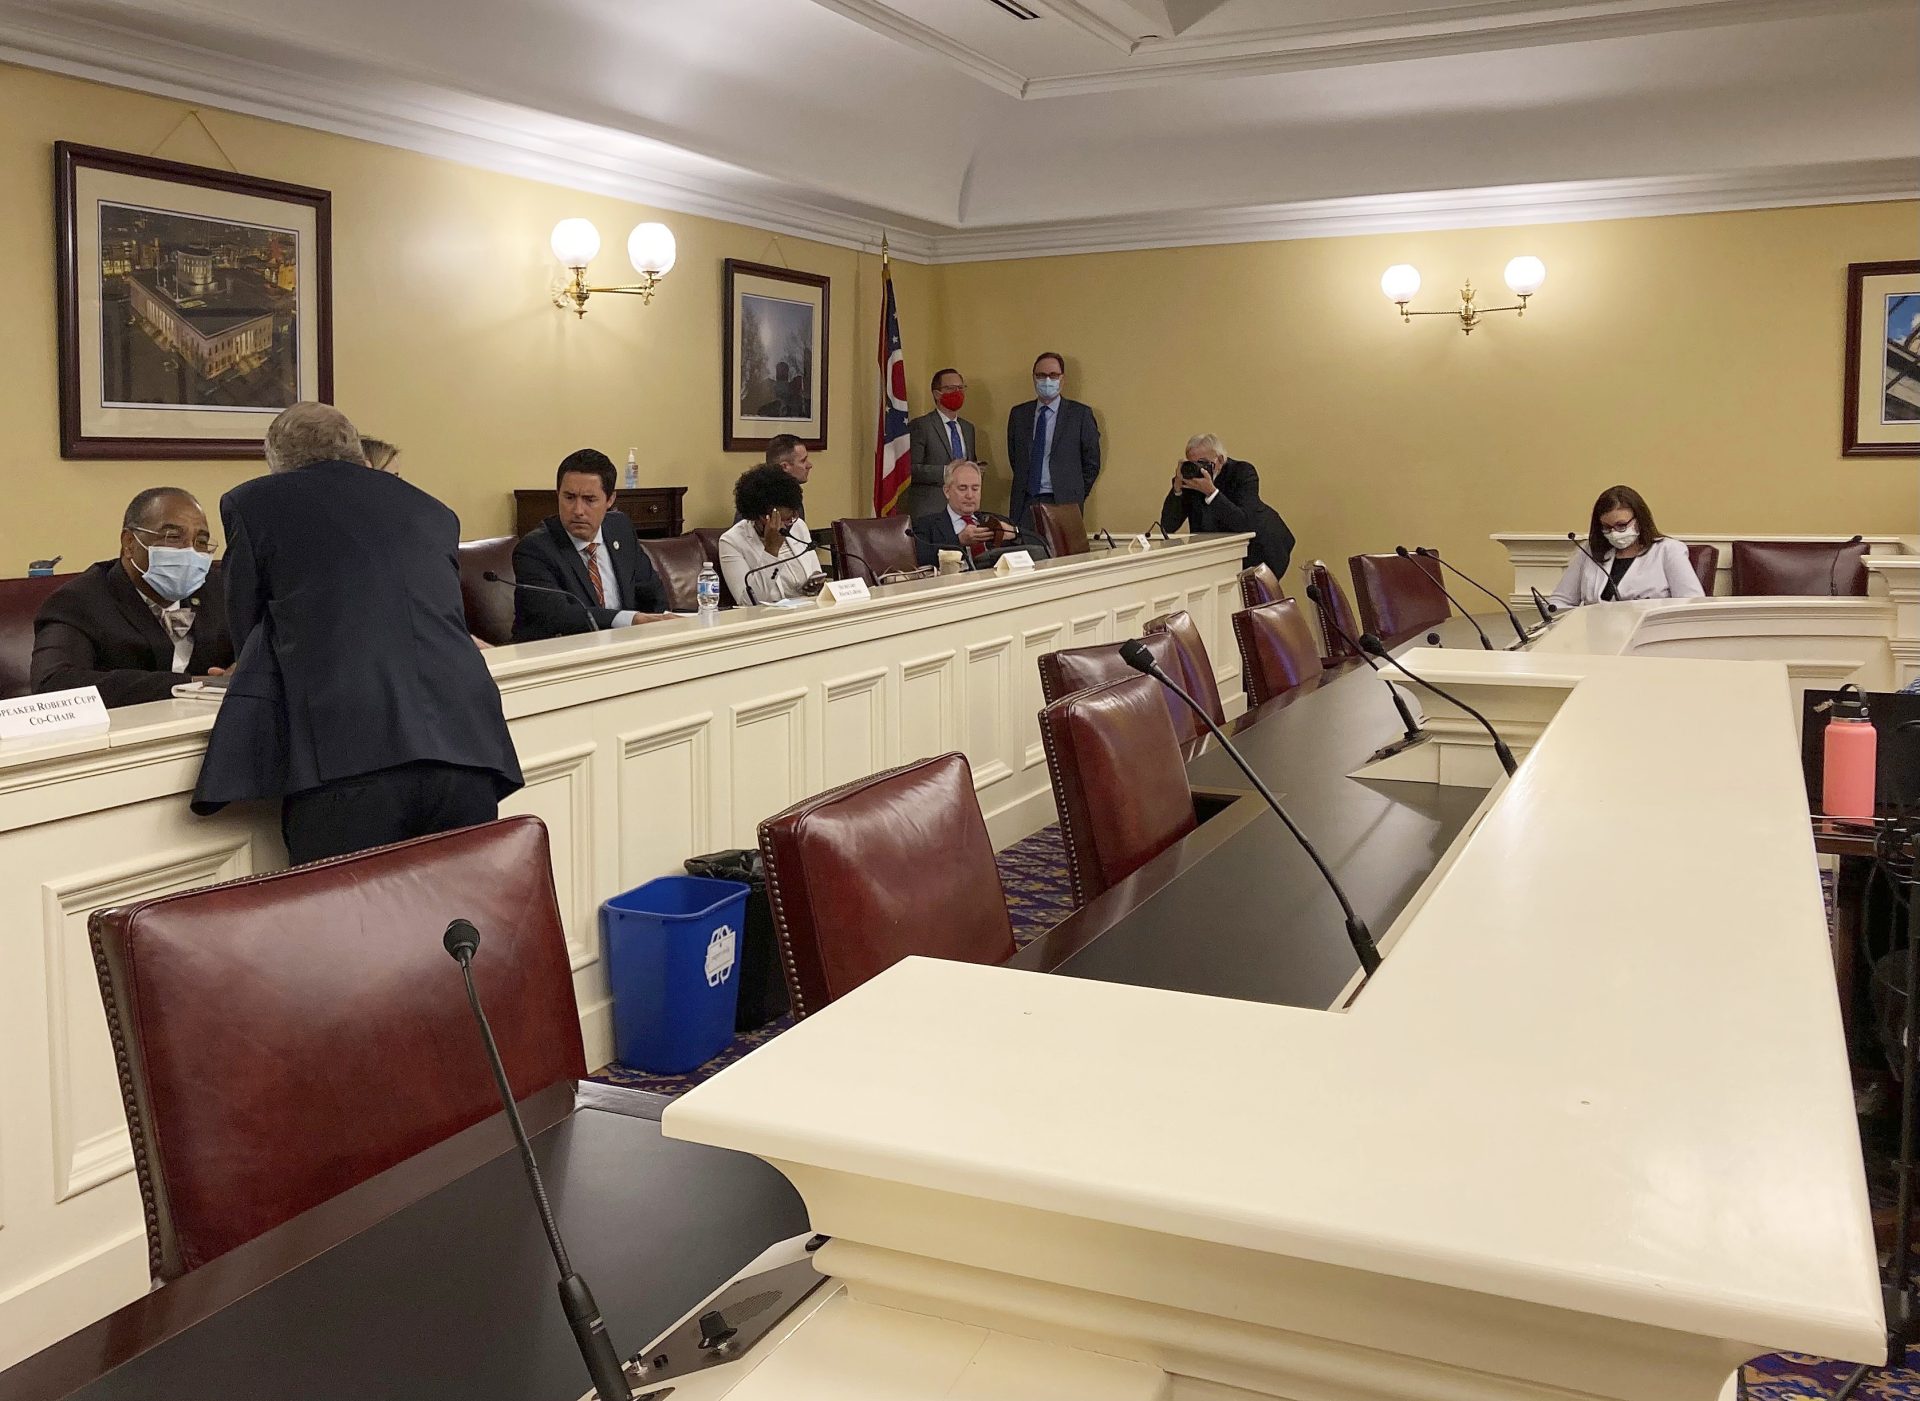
(444, 338)
(1696, 358)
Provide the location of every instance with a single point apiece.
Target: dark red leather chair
(1799, 567)
(1260, 585)
(1399, 595)
(489, 606)
(874, 871)
(709, 538)
(1277, 650)
(1332, 609)
(866, 547)
(1196, 667)
(1705, 560)
(678, 560)
(281, 1038)
(1062, 527)
(20, 601)
(1082, 668)
(1119, 781)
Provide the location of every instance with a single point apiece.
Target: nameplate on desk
(1138, 544)
(838, 591)
(57, 713)
(1014, 562)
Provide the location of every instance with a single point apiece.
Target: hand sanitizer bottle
(633, 469)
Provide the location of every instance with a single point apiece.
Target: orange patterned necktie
(593, 575)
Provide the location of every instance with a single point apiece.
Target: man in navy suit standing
(359, 699)
(587, 551)
(1053, 444)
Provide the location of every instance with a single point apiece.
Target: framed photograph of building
(194, 305)
(1882, 414)
(774, 343)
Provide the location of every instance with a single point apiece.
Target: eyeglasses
(171, 537)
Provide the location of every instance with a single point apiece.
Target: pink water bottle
(1847, 787)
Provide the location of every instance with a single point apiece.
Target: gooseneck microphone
(1546, 609)
(786, 533)
(593, 623)
(1610, 591)
(1135, 654)
(1370, 643)
(462, 940)
(1833, 570)
(1472, 622)
(1505, 607)
(1399, 701)
(774, 563)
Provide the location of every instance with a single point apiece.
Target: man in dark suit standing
(959, 524)
(1053, 444)
(137, 626)
(1212, 491)
(935, 439)
(587, 552)
(358, 698)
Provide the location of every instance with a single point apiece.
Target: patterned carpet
(1034, 874)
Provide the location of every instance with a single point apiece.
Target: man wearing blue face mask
(1053, 444)
(139, 625)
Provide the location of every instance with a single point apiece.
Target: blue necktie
(1039, 453)
(954, 444)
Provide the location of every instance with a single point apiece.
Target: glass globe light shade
(575, 241)
(651, 247)
(1525, 274)
(1401, 282)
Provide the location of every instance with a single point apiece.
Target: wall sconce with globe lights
(576, 242)
(1524, 274)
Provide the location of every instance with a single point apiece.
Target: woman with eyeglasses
(1625, 557)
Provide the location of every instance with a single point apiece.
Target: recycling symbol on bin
(720, 951)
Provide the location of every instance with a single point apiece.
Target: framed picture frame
(1882, 409)
(194, 305)
(776, 349)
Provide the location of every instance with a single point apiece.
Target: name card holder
(1139, 544)
(838, 591)
(1014, 562)
(55, 715)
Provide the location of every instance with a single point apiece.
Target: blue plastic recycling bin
(673, 955)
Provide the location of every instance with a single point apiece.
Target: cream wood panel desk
(1532, 1162)
(641, 747)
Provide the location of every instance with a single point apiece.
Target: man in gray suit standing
(1053, 444)
(935, 439)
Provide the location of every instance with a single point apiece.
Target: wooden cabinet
(654, 510)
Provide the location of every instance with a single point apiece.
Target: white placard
(844, 591)
(55, 714)
(1138, 544)
(1014, 562)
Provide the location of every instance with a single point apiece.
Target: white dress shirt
(1664, 571)
(741, 553)
(950, 429)
(609, 586)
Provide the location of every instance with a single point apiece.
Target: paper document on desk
(205, 688)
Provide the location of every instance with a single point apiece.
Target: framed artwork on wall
(775, 347)
(1882, 414)
(194, 305)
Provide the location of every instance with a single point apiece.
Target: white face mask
(1623, 539)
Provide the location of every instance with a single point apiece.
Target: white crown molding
(884, 19)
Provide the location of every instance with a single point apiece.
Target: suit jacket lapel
(623, 544)
(133, 607)
(570, 559)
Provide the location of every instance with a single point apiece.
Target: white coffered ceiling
(970, 131)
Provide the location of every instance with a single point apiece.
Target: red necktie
(593, 575)
(978, 547)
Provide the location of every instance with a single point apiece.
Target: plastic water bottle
(633, 469)
(709, 591)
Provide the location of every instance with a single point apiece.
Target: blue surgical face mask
(174, 573)
(1048, 387)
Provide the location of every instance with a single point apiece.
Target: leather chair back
(281, 1038)
(1062, 526)
(709, 538)
(1194, 662)
(1277, 650)
(874, 871)
(489, 607)
(20, 601)
(1799, 567)
(678, 561)
(1082, 668)
(1260, 585)
(1333, 608)
(867, 547)
(1705, 560)
(1119, 781)
(1399, 595)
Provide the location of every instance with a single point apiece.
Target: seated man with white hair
(1214, 492)
(960, 525)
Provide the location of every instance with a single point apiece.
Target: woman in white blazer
(1625, 557)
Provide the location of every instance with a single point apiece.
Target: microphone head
(1400, 550)
(1856, 539)
(1423, 551)
(1135, 654)
(1313, 593)
(493, 577)
(1572, 536)
(461, 940)
(1433, 639)
(1370, 643)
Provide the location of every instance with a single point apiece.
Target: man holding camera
(1214, 492)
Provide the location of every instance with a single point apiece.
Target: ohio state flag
(891, 469)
